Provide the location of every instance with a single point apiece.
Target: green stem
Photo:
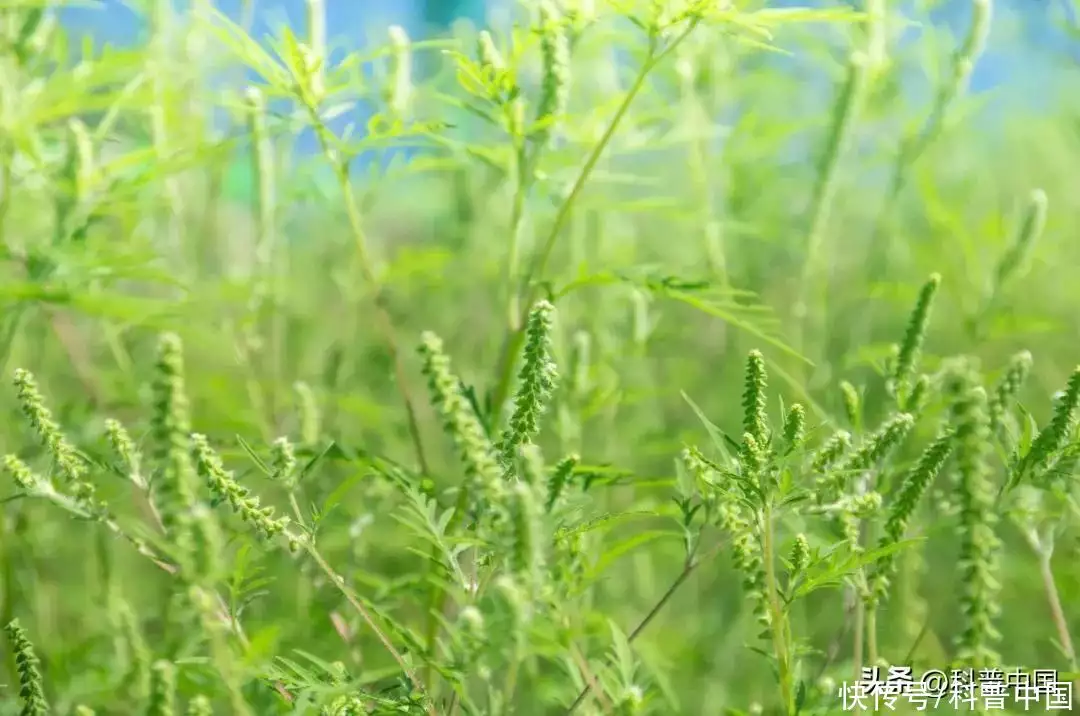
(528, 288)
(847, 108)
(1045, 553)
(916, 143)
(439, 595)
(858, 637)
(522, 173)
(692, 563)
(339, 582)
(511, 684)
(382, 316)
(776, 613)
(871, 633)
(1056, 611)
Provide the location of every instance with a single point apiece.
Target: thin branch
(690, 565)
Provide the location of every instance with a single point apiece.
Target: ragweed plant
(635, 168)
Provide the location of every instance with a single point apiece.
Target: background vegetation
(778, 180)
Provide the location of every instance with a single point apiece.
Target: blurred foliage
(687, 247)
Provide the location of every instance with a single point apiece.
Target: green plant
(640, 483)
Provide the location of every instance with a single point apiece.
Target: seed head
(555, 61)
(162, 690)
(1008, 387)
(794, 427)
(851, 403)
(308, 414)
(527, 557)
(907, 360)
(488, 53)
(753, 457)
(580, 363)
(21, 474)
(755, 415)
(27, 664)
(560, 477)
(1051, 438)
(223, 484)
(125, 449)
(830, 451)
(460, 422)
(519, 606)
(979, 545)
(800, 554)
(136, 655)
(746, 553)
(537, 382)
(174, 485)
(882, 442)
(81, 151)
(853, 510)
(283, 462)
(67, 460)
(920, 394)
(1028, 234)
(901, 509)
(199, 706)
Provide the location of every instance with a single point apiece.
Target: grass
(627, 376)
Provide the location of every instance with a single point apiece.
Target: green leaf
(836, 569)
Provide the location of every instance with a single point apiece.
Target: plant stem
(871, 633)
(439, 595)
(848, 105)
(1053, 598)
(528, 288)
(522, 181)
(689, 566)
(511, 682)
(310, 548)
(858, 634)
(339, 582)
(776, 613)
(382, 316)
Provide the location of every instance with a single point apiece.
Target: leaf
(310, 465)
(254, 456)
(832, 575)
(720, 439)
(335, 497)
(607, 520)
(623, 653)
(624, 546)
(245, 48)
(729, 315)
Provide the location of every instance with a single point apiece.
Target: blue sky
(115, 21)
(1027, 34)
